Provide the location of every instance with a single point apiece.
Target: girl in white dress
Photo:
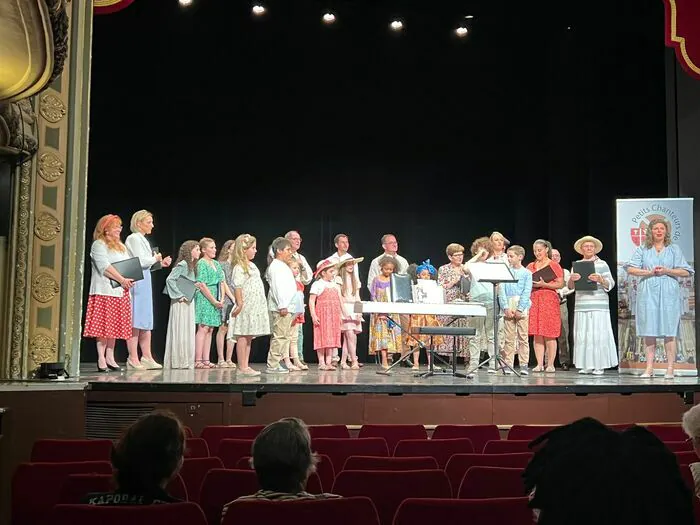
(350, 286)
(179, 340)
(594, 343)
(249, 318)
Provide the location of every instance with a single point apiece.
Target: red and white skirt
(108, 317)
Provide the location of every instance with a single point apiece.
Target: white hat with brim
(346, 258)
(588, 238)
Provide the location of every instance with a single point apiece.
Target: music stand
(494, 273)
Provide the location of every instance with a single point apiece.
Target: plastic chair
(479, 434)
(419, 511)
(459, 464)
(329, 431)
(335, 511)
(388, 489)
(492, 482)
(393, 433)
(196, 448)
(36, 486)
(378, 463)
(215, 433)
(193, 472)
(71, 450)
(168, 514)
(507, 446)
(340, 449)
(440, 449)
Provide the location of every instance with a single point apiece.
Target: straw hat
(346, 258)
(588, 238)
(324, 265)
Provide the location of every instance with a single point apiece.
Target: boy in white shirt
(280, 303)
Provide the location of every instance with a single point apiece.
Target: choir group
(225, 295)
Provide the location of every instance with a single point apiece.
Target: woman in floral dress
(449, 277)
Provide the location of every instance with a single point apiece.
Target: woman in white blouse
(108, 315)
(142, 292)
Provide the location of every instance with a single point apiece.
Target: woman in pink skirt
(108, 315)
(326, 313)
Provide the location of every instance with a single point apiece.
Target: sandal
(230, 363)
(538, 369)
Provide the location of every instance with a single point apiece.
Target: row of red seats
(344, 511)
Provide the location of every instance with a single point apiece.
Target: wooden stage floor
(366, 380)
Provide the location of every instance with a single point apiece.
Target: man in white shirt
(283, 289)
(563, 340)
(391, 247)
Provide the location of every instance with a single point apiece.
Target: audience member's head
(585, 473)
(691, 426)
(282, 456)
(150, 453)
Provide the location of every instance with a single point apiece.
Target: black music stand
(451, 331)
(494, 273)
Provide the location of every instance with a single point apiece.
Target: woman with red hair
(108, 315)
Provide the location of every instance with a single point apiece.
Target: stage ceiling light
(184, 3)
(461, 31)
(328, 18)
(259, 10)
(396, 25)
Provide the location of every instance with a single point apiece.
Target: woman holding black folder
(142, 293)
(594, 343)
(108, 315)
(544, 317)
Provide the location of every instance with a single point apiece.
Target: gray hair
(691, 422)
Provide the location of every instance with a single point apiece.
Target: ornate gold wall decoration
(52, 108)
(46, 226)
(42, 348)
(20, 271)
(50, 167)
(44, 287)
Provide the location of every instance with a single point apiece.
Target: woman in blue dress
(659, 264)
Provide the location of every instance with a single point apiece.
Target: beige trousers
(281, 327)
(516, 340)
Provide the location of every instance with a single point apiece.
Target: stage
(353, 397)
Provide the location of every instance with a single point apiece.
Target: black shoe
(102, 369)
(565, 366)
(116, 368)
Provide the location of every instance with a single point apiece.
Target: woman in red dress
(545, 320)
(108, 315)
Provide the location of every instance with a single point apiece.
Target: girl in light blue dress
(660, 265)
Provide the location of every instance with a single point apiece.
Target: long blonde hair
(225, 252)
(100, 234)
(649, 240)
(345, 275)
(241, 244)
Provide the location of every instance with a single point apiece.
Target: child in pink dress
(326, 313)
(351, 322)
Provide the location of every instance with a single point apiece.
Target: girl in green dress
(208, 301)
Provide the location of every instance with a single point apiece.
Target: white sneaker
(277, 370)
(598, 372)
(524, 371)
(508, 372)
(586, 371)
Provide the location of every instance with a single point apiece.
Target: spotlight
(461, 31)
(185, 3)
(328, 18)
(396, 25)
(259, 10)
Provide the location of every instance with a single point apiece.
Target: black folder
(546, 274)
(187, 287)
(156, 265)
(401, 291)
(585, 269)
(129, 268)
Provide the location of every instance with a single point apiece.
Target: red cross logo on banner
(638, 234)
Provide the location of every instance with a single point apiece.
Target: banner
(633, 217)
